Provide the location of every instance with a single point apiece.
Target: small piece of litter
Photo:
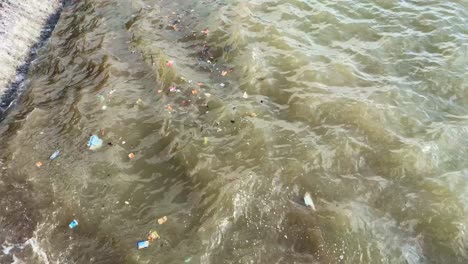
(205, 140)
(73, 224)
(126, 202)
(206, 31)
(169, 63)
(224, 73)
(112, 91)
(139, 101)
(308, 201)
(200, 84)
(104, 107)
(55, 155)
(187, 260)
(341, 257)
(245, 95)
(208, 95)
(159, 91)
(142, 244)
(101, 98)
(222, 84)
(194, 91)
(162, 220)
(253, 115)
(131, 155)
(123, 142)
(39, 164)
(170, 108)
(153, 235)
(173, 89)
(94, 142)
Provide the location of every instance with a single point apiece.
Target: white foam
(21, 22)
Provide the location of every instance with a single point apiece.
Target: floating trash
(205, 140)
(173, 89)
(206, 31)
(308, 201)
(131, 155)
(194, 91)
(162, 220)
(101, 98)
(222, 84)
(94, 142)
(224, 73)
(153, 235)
(104, 107)
(142, 244)
(169, 63)
(187, 260)
(73, 224)
(55, 155)
(39, 164)
(200, 84)
(245, 95)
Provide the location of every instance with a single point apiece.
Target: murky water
(363, 104)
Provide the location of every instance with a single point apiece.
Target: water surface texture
(234, 109)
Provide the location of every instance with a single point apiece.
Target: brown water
(361, 103)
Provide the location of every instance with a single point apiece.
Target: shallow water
(363, 105)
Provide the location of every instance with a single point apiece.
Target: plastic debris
(205, 140)
(73, 224)
(55, 155)
(170, 108)
(206, 31)
(245, 95)
(187, 260)
(94, 142)
(169, 63)
(200, 84)
(224, 73)
(253, 115)
(126, 202)
(173, 89)
(194, 91)
(112, 91)
(160, 91)
(104, 107)
(153, 235)
(39, 164)
(101, 98)
(222, 84)
(308, 201)
(123, 142)
(162, 220)
(142, 244)
(139, 101)
(208, 95)
(131, 155)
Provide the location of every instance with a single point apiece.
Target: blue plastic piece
(55, 155)
(94, 142)
(73, 224)
(142, 244)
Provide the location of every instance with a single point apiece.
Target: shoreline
(24, 27)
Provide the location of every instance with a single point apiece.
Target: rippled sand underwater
(234, 110)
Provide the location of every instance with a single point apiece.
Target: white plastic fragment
(308, 201)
